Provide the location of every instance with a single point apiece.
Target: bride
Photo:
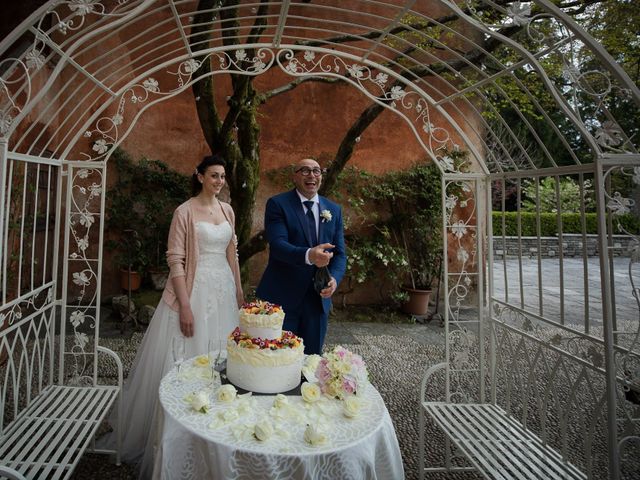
(199, 303)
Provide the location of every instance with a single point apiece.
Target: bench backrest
(50, 259)
(28, 271)
(552, 380)
(27, 352)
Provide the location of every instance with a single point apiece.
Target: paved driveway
(571, 294)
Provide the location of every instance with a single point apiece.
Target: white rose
(351, 407)
(227, 393)
(310, 366)
(200, 402)
(310, 392)
(280, 401)
(313, 435)
(344, 367)
(263, 430)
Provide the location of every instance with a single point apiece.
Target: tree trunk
(244, 174)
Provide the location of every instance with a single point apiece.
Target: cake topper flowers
(326, 216)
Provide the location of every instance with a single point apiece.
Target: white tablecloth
(220, 444)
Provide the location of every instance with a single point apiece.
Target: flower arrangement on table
(339, 373)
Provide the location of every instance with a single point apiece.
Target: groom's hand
(319, 257)
(329, 289)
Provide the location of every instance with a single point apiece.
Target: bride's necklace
(211, 208)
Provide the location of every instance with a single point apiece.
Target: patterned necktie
(311, 220)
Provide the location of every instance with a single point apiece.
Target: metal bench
(523, 426)
(496, 444)
(45, 425)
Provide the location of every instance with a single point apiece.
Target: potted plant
(400, 234)
(131, 259)
(416, 227)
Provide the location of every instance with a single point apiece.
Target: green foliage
(571, 223)
(569, 193)
(143, 200)
(398, 219)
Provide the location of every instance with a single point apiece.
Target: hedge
(571, 223)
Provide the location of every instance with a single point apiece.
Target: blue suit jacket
(287, 277)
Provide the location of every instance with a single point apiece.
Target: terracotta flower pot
(136, 280)
(418, 303)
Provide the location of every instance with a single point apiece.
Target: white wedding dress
(215, 310)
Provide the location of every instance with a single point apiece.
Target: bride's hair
(206, 162)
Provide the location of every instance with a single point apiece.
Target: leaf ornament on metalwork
(460, 359)
(34, 60)
(81, 340)
(356, 70)
(519, 13)
(77, 318)
(609, 134)
(82, 7)
(619, 205)
(459, 229)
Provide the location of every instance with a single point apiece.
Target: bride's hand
(186, 321)
(240, 298)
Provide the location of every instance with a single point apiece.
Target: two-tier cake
(260, 356)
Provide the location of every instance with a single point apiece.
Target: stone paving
(579, 301)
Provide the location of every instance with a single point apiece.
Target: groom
(304, 231)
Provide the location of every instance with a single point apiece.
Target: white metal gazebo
(78, 74)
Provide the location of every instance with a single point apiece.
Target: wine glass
(178, 349)
(214, 358)
(220, 358)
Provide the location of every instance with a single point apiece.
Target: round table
(221, 443)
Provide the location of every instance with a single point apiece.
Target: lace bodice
(212, 238)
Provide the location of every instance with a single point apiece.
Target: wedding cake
(260, 356)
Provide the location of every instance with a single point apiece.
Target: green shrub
(571, 223)
(142, 199)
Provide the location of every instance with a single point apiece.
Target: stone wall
(572, 246)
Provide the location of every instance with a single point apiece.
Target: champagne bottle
(321, 279)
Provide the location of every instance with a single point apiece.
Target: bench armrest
(116, 358)
(10, 473)
(427, 378)
(119, 401)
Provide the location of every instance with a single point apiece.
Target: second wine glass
(178, 349)
(214, 357)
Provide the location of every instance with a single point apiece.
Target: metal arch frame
(602, 54)
(208, 52)
(541, 72)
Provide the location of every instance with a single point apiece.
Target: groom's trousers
(309, 321)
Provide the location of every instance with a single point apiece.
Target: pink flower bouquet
(341, 373)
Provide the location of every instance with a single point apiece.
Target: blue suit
(288, 280)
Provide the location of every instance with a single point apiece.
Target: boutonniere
(326, 216)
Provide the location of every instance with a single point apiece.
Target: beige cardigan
(182, 253)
